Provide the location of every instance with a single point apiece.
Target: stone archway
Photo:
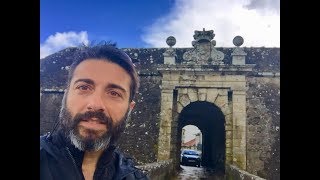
(203, 75)
(211, 122)
(182, 86)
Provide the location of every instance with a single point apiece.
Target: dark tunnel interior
(210, 120)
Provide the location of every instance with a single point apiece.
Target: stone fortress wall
(141, 137)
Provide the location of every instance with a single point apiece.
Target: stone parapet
(161, 170)
(234, 173)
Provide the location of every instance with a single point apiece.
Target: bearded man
(101, 85)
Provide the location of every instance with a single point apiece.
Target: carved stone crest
(204, 51)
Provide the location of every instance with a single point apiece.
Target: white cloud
(63, 40)
(257, 23)
(191, 130)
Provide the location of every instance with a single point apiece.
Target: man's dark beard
(91, 143)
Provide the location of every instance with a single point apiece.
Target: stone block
(228, 158)
(236, 78)
(174, 77)
(238, 86)
(212, 95)
(239, 142)
(223, 92)
(166, 122)
(239, 128)
(221, 101)
(165, 76)
(200, 77)
(167, 97)
(239, 119)
(239, 135)
(212, 78)
(229, 151)
(239, 92)
(228, 142)
(238, 60)
(182, 91)
(168, 91)
(228, 134)
(202, 90)
(240, 161)
(239, 98)
(169, 60)
(228, 127)
(166, 105)
(193, 96)
(228, 119)
(192, 90)
(184, 100)
(202, 96)
(179, 107)
(239, 107)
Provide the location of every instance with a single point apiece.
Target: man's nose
(95, 103)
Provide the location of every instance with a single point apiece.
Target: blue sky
(147, 23)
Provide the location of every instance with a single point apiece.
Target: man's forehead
(102, 71)
(94, 66)
(93, 61)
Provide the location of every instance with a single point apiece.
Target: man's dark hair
(107, 52)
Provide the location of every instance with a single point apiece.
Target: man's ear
(131, 105)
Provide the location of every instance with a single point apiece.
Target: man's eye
(115, 94)
(83, 88)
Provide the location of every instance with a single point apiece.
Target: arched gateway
(211, 122)
(204, 91)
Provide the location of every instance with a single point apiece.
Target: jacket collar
(111, 160)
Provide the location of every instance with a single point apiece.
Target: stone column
(223, 103)
(239, 129)
(170, 54)
(238, 55)
(164, 145)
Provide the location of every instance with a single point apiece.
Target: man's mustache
(100, 116)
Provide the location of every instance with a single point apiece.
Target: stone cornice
(226, 68)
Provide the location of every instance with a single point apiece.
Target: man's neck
(89, 163)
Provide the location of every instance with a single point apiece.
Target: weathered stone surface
(228, 118)
(239, 158)
(202, 94)
(193, 96)
(184, 100)
(183, 90)
(263, 110)
(158, 170)
(233, 172)
(179, 107)
(49, 111)
(169, 60)
(140, 139)
(53, 68)
(228, 135)
(212, 95)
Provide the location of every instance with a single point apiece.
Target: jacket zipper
(73, 161)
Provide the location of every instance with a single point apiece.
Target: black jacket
(60, 160)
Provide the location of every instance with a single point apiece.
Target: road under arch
(211, 122)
